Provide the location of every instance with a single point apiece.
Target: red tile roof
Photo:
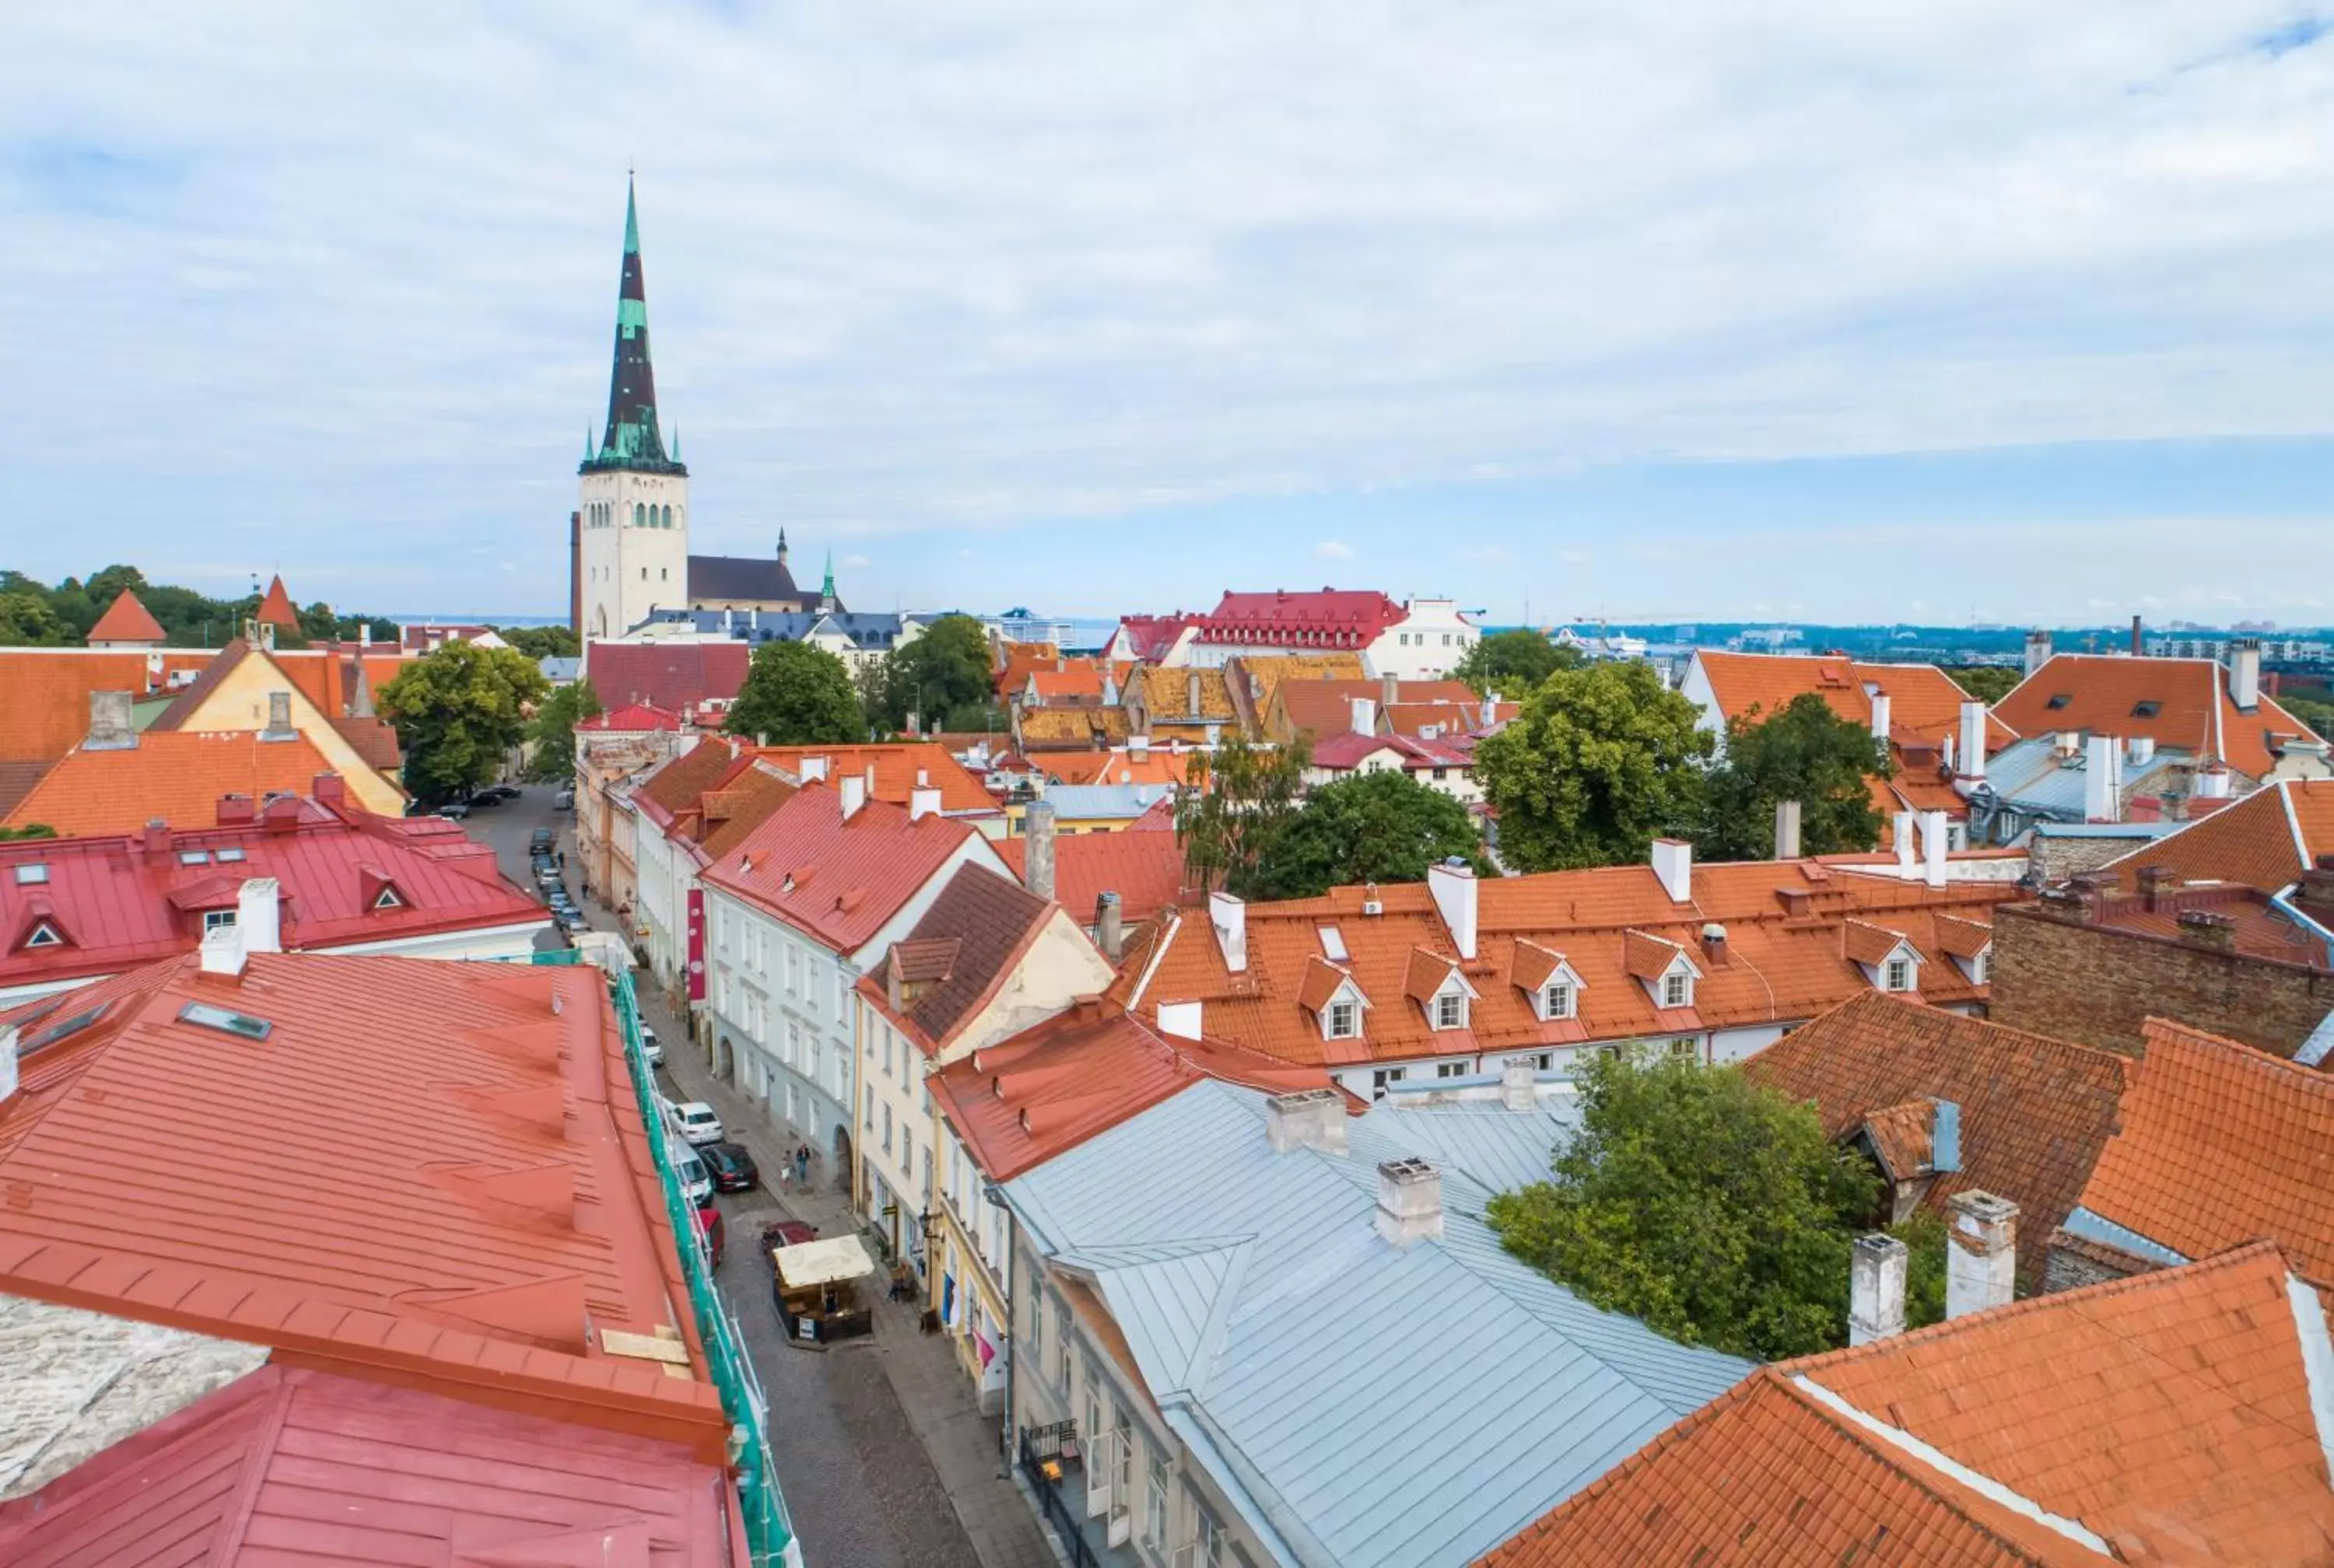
(633, 716)
(2170, 1415)
(426, 1172)
(1333, 618)
(119, 901)
(290, 1464)
(1325, 707)
(2034, 1112)
(2264, 841)
(175, 775)
(672, 676)
(44, 692)
(2192, 710)
(898, 766)
(2221, 1143)
(1145, 869)
(127, 620)
(326, 672)
(1150, 635)
(839, 881)
(959, 952)
(276, 607)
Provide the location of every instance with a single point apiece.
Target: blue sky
(1815, 310)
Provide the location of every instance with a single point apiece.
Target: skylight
(36, 871)
(1333, 944)
(65, 1029)
(44, 935)
(2146, 710)
(2060, 700)
(243, 1026)
(194, 857)
(230, 856)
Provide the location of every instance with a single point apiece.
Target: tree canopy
(1989, 683)
(1371, 827)
(34, 614)
(1711, 1208)
(541, 641)
(1804, 752)
(1238, 805)
(551, 734)
(458, 711)
(1601, 761)
(941, 675)
(798, 695)
(1512, 662)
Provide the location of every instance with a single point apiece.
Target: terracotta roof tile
(2263, 841)
(633, 718)
(1426, 974)
(45, 692)
(838, 881)
(2034, 1112)
(1145, 869)
(1962, 938)
(1904, 1137)
(1532, 965)
(1644, 957)
(1869, 944)
(374, 740)
(898, 766)
(1322, 981)
(2180, 704)
(964, 947)
(176, 776)
(673, 676)
(276, 606)
(127, 620)
(1167, 694)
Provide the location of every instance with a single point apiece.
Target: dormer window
(1556, 1002)
(215, 919)
(1677, 989)
(1450, 1010)
(1345, 1020)
(1981, 966)
(1898, 976)
(44, 935)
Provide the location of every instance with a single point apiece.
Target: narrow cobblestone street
(881, 1454)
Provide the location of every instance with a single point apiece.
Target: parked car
(694, 1120)
(497, 792)
(570, 919)
(483, 800)
(541, 841)
(453, 811)
(731, 1166)
(695, 1181)
(781, 1233)
(709, 1224)
(649, 1048)
(565, 800)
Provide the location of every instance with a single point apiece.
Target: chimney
(158, 838)
(924, 801)
(871, 781)
(923, 778)
(1389, 690)
(1307, 1118)
(2154, 883)
(222, 951)
(2315, 892)
(2139, 750)
(1409, 1201)
(234, 809)
(2244, 673)
(1904, 845)
(1673, 864)
(7, 1063)
(1038, 852)
(2102, 791)
(1787, 829)
(1981, 1252)
(109, 722)
(259, 915)
(1935, 835)
(1138, 746)
(1880, 716)
(281, 814)
(2213, 782)
(2208, 929)
(1110, 927)
(1457, 896)
(2037, 650)
(2137, 648)
(1713, 944)
(1180, 1020)
(813, 769)
(1229, 915)
(279, 717)
(1519, 1086)
(1969, 757)
(328, 789)
(1365, 717)
(855, 795)
(1876, 1289)
(1192, 693)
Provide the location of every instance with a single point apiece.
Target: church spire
(632, 441)
(827, 592)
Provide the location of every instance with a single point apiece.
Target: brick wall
(2053, 975)
(2055, 860)
(2074, 1262)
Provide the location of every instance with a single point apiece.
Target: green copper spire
(633, 442)
(827, 592)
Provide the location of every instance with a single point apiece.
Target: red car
(708, 1220)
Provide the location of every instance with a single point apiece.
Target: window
(1557, 1000)
(1345, 1020)
(1685, 1045)
(204, 1015)
(1383, 1079)
(194, 857)
(229, 855)
(388, 899)
(27, 875)
(1676, 990)
(2058, 701)
(1333, 944)
(1062, 1366)
(1155, 1509)
(1208, 1534)
(214, 920)
(1450, 1011)
(1036, 1335)
(1900, 975)
(1450, 1069)
(1098, 1413)
(887, 1124)
(1979, 965)
(44, 935)
(868, 1119)
(1540, 1062)
(2146, 710)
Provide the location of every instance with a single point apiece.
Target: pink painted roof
(837, 880)
(1356, 615)
(667, 675)
(631, 717)
(288, 1464)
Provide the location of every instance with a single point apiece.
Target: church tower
(632, 520)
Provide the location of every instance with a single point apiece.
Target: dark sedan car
(731, 1168)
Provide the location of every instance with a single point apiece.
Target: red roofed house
(688, 813)
(328, 876)
(2195, 707)
(163, 775)
(796, 913)
(127, 623)
(700, 677)
(1714, 961)
(370, 1224)
(1160, 639)
(1142, 871)
(1421, 640)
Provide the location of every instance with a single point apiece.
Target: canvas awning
(828, 1261)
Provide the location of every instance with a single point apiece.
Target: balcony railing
(1045, 1451)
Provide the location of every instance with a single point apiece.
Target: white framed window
(1345, 1020)
(1154, 1511)
(1450, 1010)
(44, 935)
(1062, 1363)
(1687, 1046)
(1978, 967)
(1676, 990)
(1383, 1079)
(215, 919)
(1899, 974)
(887, 1124)
(1450, 1069)
(1557, 1000)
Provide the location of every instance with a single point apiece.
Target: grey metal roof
(559, 671)
(1496, 1148)
(2097, 1228)
(2032, 776)
(1129, 800)
(1363, 1404)
(867, 629)
(762, 577)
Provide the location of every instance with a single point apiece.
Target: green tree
(1600, 761)
(1989, 683)
(551, 734)
(1923, 1236)
(29, 831)
(938, 674)
(798, 695)
(1512, 662)
(27, 622)
(1804, 752)
(458, 711)
(1372, 827)
(541, 641)
(1711, 1208)
(1237, 805)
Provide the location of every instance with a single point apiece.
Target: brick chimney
(236, 809)
(1519, 1086)
(329, 789)
(1409, 1201)
(110, 726)
(2208, 929)
(1714, 945)
(2154, 883)
(1981, 1252)
(1307, 1118)
(1876, 1289)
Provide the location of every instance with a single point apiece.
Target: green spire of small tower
(826, 590)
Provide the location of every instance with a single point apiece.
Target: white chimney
(109, 724)
(259, 915)
(1491, 711)
(855, 795)
(7, 1063)
(1904, 845)
(1673, 864)
(924, 801)
(1880, 716)
(1969, 758)
(1409, 1201)
(1389, 690)
(1366, 715)
(1518, 1090)
(2037, 650)
(1110, 927)
(2213, 782)
(923, 778)
(1138, 746)
(1935, 836)
(279, 717)
(1179, 1019)
(222, 951)
(812, 768)
(1229, 915)
(2244, 673)
(1787, 829)
(2102, 766)
(2139, 750)
(1876, 1289)
(1456, 900)
(1981, 1252)
(1308, 1118)
(364, 634)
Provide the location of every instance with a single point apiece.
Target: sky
(1818, 309)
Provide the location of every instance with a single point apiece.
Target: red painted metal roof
(633, 716)
(1355, 616)
(288, 1464)
(837, 880)
(668, 675)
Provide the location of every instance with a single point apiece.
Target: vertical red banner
(697, 944)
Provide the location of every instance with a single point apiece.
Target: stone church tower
(629, 537)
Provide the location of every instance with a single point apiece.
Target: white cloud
(1331, 550)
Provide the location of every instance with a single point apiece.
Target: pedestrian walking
(801, 1164)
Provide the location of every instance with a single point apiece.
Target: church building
(628, 538)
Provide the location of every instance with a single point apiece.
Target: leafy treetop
(458, 711)
(941, 675)
(1235, 810)
(1513, 662)
(1989, 683)
(1372, 827)
(798, 695)
(1804, 752)
(551, 735)
(33, 615)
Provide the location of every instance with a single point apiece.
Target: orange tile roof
(838, 881)
(2170, 1414)
(1259, 676)
(963, 948)
(175, 775)
(1325, 707)
(2221, 1143)
(2192, 711)
(1069, 726)
(1075, 681)
(2034, 1112)
(1167, 694)
(127, 620)
(2263, 841)
(897, 765)
(1123, 767)
(45, 692)
(276, 607)
(1904, 1138)
(326, 672)
(724, 817)
(426, 1170)
(1144, 869)
(1784, 961)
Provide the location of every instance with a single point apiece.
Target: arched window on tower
(639, 517)
(668, 516)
